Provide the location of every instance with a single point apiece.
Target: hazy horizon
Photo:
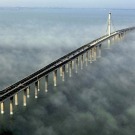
(70, 3)
(105, 8)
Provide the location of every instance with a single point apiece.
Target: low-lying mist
(97, 100)
(25, 50)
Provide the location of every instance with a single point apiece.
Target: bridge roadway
(24, 83)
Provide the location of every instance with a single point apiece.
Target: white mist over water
(32, 38)
(97, 100)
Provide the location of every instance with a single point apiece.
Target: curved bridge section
(90, 52)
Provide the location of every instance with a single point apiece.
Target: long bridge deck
(24, 83)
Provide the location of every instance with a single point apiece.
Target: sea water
(97, 100)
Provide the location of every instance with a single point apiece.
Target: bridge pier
(70, 69)
(2, 107)
(117, 37)
(86, 58)
(36, 89)
(16, 99)
(67, 67)
(113, 38)
(122, 35)
(78, 60)
(82, 61)
(76, 65)
(82, 58)
(60, 71)
(38, 85)
(24, 97)
(99, 51)
(28, 91)
(90, 55)
(109, 43)
(95, 53)
(73, 64)
(55, 77)
(46, 83)
(11, 106)
(63, 73)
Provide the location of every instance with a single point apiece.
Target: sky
(69, 3)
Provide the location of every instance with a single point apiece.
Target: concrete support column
(28, 91)
(99, 51)
(82, 61)
(63, 73)
(82, 58)
(46, 83)
(60, 71)
(16, 99)
(2, 107)
(36, 89)
(109, 43)
(86, 58)
(67, 67)
(113, 38)
(24, 97)
(70, 69)
(119, 35)
(73, 65)
(116, 37)
(91, 55)
(55, 77)
(78, 60)
(38, 85)
(11, 106)
(76, 65)
(95, 53)
(122, 35)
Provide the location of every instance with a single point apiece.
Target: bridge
(87, 52)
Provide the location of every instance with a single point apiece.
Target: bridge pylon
(109, 24)
(109, 30)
